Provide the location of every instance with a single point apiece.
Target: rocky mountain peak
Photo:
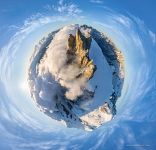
(78, 49)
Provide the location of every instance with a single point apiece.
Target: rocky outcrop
(78, 48)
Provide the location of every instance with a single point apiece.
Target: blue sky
(14, 12)
(25, 126)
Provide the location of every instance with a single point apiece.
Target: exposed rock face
(78, 48)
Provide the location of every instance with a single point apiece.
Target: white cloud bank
(54, 62)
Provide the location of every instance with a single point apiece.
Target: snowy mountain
(82, 92)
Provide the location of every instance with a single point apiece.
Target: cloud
(64, 8)
(97, 1)
(153, 36)
(54, 62)
(123, 20)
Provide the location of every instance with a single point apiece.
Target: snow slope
(101, 82)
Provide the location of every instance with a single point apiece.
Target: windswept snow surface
(102, 77)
